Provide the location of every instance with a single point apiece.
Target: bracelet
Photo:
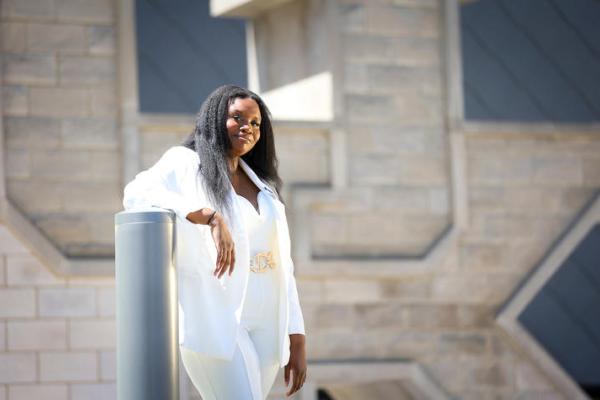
(211, 217)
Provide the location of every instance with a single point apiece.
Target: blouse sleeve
(296, 324)
(162, 184)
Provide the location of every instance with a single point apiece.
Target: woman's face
(243, 126)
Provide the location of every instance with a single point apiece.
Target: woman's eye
(236, 117)
(256, 124)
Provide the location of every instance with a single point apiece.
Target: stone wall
(60, 119)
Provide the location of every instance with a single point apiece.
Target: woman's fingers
(225, 261)
(232, 261)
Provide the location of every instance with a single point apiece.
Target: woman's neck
(233, 164)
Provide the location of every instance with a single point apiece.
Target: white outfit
(255, 362)
(210, 309)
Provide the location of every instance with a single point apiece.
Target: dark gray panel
(183, 54)
(547, 49)
(553, 329)
(564, 316)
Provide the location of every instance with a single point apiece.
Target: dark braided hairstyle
(210, 140)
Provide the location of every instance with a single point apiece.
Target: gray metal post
(147, 344)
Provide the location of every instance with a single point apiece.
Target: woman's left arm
(297, 363)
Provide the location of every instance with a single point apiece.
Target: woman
(239, 315)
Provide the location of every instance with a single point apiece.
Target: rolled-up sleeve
(162, 184)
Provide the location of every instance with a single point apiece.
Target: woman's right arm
(161, 186)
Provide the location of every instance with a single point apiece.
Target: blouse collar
(257, 181)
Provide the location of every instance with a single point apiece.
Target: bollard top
(145, 215)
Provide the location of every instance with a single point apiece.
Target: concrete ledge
(39, 245)
(242, 8)
(406, 375)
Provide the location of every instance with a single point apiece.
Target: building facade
(430, 204)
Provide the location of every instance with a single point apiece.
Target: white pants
(250, 374)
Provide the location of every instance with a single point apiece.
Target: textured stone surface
(67, 302)
(39, 391)
(17, 367)
(72, 366)
(37, 335)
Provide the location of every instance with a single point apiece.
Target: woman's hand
(224, 244)
(296, 364)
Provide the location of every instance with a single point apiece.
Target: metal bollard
(147, 343)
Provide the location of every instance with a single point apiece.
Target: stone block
(13, 36)
(493, 170)
(38, 391)
(35, 196)
(410, 344)
(104, 101)
(108, 365)
(431, 316)
(461, 343)
(398, 21)
(93, 11)
(15, 100)
(67, 302)
(106, 301)
(528, 377)
(29, 271)
(379, 316)
(17, 367)
(489, 198)
(94, 196)
(527, 200)
(38, 9)
(18, 303)
(331, 229)
(330, 345)
(557, 171)
(68, 366)
(17, 164)
(37, 335)
(482, 256)
(55, 37)
(101, 226)
(2, 336)
(92, 334)
(93, 391)
(408, 288)
(61, 163)
(310, 291)
(32, 132)
(101, 39)
(390, 79)
(59, 101)
(334, 316)
(367, 108)
(591, 171)
(447, 370)
(496, 373)
(89, 133)
(86, 70)
(30, 69)
(475, 316)
(351, 291)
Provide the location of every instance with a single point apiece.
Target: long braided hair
(210, 141)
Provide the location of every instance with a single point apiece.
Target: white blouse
(260, 225)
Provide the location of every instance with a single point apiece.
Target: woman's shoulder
(177, 152)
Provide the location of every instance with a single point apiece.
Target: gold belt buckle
(261, 262)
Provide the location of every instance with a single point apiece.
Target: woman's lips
(243, 139)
